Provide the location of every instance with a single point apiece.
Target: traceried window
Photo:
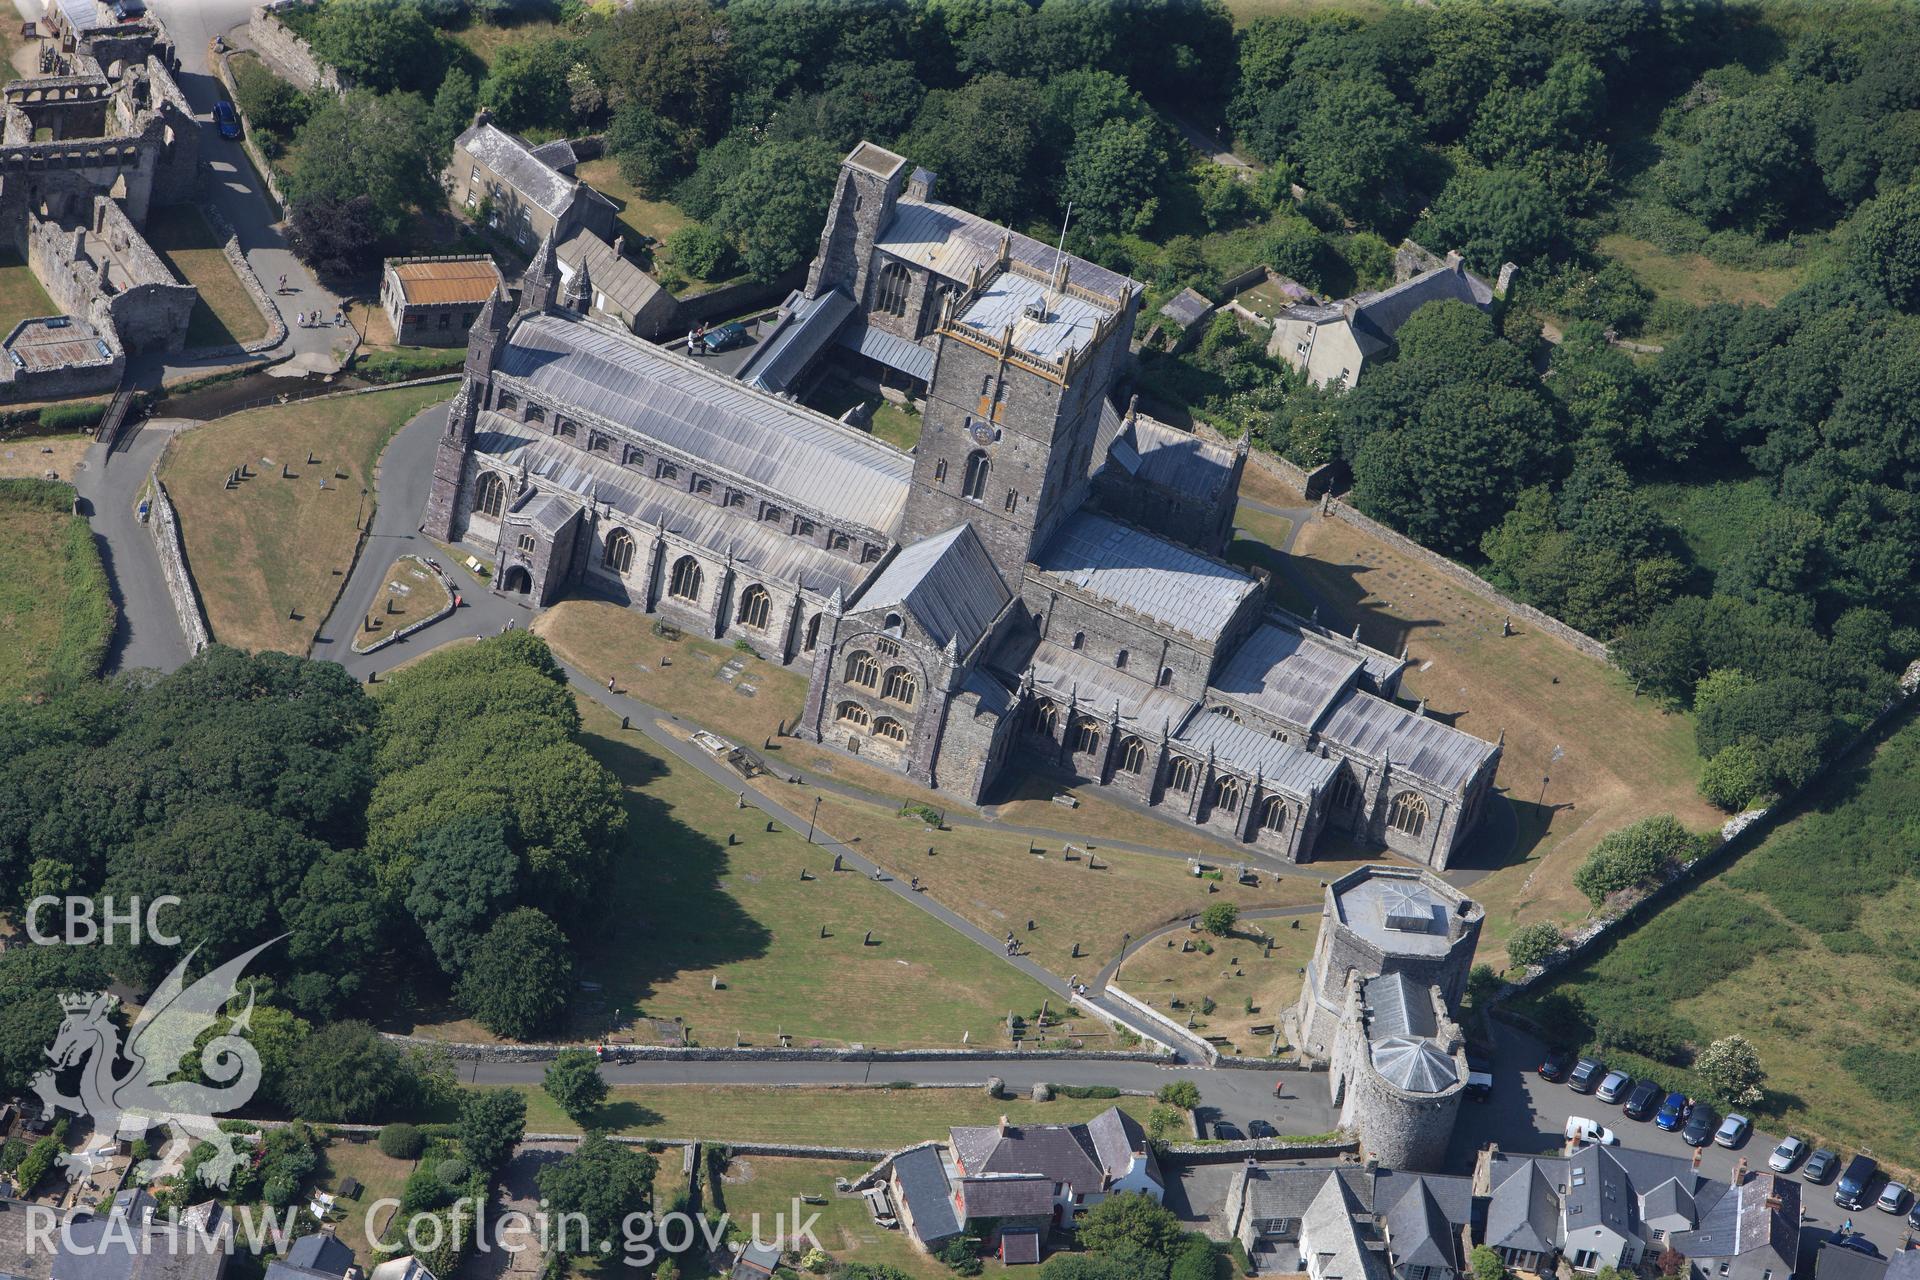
(1273, 814)
(975, 485)
(685, 584)
(1226, 795)
(854, 714)
(619, 556)
(1180, 776)
(490, 495)
(1086, 735)
(755, 606)
(896, 282)
(863, 670)
(527, 542)
(1346, 792)
(899, 687)
(1408, 813)
(890, 729)
(1133, 756)
(1046, 716)
(813, 634)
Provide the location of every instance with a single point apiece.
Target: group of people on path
(315, 319)
(694, 335)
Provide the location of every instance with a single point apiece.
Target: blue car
(1672, 1113)
(226, 119)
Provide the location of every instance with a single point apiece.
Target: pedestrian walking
(283, 282)
(690, 337)
(609, 684)
(339, 317)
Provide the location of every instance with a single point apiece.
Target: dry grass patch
(1262, 485)
(767, 1186)
(413, 593)
(226, 312)
(32, 457)
(881, 1119)
(1619, 757)
(380, 1176)
(56, 615)
(269, 557)
(1696, 279)
(644, 220)
(21, 296)
(1194, 967)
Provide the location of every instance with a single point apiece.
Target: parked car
(1790, 1152)
(226, 119)
(1226, 1132)
(1854, 1241)
(1479, 1084)
(1732, 1131)
(1644, 1100)
(127, 10)
(1913, 1217)
(1587, 1073)
(1261, 1129)
(1673, 1112)
(724, 337)
(1556, 1065)
(1581, 1129)
(1893, 1198)
(1698, 1130)
(1819, 1166)
(1614, 1087)
(1851, 1191)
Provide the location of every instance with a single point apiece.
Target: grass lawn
(379, 1175)
(1806, 946)
(898, 425)
(1619, 757)
(1238, 970)
(644, 220)
(1715, 519)
(768, 1185)
(877, 1118)
(32, 457)
(270, 557)
(1257, 540)
(696, 909)
(226, 311)
(412, 594)
(55, 612)
(484, 40)
(21, 297)
(1697, 279)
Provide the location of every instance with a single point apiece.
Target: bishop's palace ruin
(1038, 583)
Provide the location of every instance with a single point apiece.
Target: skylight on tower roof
(1408, 910)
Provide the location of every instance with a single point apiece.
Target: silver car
(1789, 1153)
(1614, 1087)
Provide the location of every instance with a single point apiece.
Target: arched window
(490, 495)
(507, 402)
(895, 283)
(568, 431)
(598, 443)
(890, 729)
(852, 713)
(536, 414)
(1133, 756)
(936, 300)
(899, 686)
(1226, 795)
(1346, 792)
(1221, 709)
(668, 472)
(619, 556)
(527, 542)
(772, 514)
(703, 486)
(836, 542)
(976, 479)
(1166, 677)
(862, 669)
(1120, 660)
(685, 584)
(1046, 716)
(1408, 813)
(892, 622)
(1180, 776)
(813, 634)
(1079, 640)
(1273, 814)
(939, 470)
(805, 528)
(755, 605)
(1086, 735)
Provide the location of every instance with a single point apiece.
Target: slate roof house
(1051, 1171)
(133, 1240)
(1613, 1206)
(1350, 1222)
(1037, 581)
(318, 1256)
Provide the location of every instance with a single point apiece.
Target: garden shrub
(402, 1141)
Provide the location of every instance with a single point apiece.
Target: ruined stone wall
(291, 57)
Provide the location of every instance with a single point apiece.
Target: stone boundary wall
(1311, 484)
(173, 566)
(1737, 835)
(1461, 576)
(1077, 1001)
(237, 259)
(469, 1052)
(729, 300)
(1281, 1062)
(260, 166)
(1180, 1033)
(1247, 278)
(1292, 1148)
(410, 628)
(290, 56)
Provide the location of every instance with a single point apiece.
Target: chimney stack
(1004, 1126)
(619, 245)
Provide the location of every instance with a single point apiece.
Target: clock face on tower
(982, 433)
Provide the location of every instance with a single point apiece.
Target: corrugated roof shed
(836, 469)
(437, 280)
(1147, 574)
(1284, 766)
(1427, 749)
(948, 584)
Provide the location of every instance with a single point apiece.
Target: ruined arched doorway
(517, 580)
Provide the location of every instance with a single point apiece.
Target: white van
(1582, 1130)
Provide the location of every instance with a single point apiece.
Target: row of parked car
(1697, 1124)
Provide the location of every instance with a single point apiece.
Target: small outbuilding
(432, 302)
